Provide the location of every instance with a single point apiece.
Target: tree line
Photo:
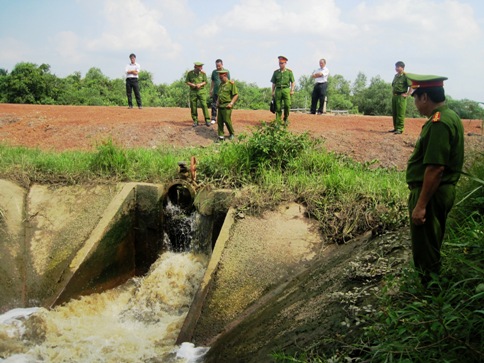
(30, 83)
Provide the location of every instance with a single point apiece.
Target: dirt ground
(59, 128)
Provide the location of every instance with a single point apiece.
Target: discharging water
(136, 322)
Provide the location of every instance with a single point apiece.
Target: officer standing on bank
(400, 92)
(196, 79)
(282, 89)
(227, 96)
(432, 172)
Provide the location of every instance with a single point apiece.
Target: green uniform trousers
(202, 97)
(399, 107)
(224, 117)
(282, 95)
(427, 238)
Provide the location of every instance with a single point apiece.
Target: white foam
(15, 314)
(20, 358)
(190, 352)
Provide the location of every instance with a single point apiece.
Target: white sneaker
(212, 122)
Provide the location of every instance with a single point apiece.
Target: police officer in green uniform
(400, 89)
(227, 96)
(282, 88)
(196, 79)
(432, 172)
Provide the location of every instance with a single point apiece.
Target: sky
(438, 37)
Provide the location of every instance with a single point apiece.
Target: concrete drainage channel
(58, 243)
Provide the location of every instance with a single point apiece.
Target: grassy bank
(269, 167)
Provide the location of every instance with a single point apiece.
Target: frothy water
(136, 322)
(180, 227)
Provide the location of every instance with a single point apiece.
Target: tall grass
(412, 324)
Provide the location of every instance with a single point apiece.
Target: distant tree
(466, 109)
(252, 97)
(150, 95)
(3, 84)
(29, 83)
(304, 90)
(175, 94)
(358, 90)
(339, 94)
(377, 98)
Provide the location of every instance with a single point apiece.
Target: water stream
(138, 321)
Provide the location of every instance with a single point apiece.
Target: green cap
(223, 71)
(425, 81)
(198, 63)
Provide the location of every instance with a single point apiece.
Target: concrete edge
(191, 320)
(112, 212)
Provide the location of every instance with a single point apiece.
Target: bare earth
(59, 128)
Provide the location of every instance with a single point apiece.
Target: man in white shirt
(320, 76)
(132, 71)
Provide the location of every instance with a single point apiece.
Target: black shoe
(207, 123)
(231, 137)
(398, 132)
(140, 107)
(195, 124)
(130, 106)
(220, 139)
(392, 130)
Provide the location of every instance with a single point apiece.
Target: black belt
(321, 82)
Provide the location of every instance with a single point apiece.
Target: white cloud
(132, 24)
(13, 50)
(320, 17)
(432, 23)
(67, 44)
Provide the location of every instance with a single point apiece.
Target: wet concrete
(58, 242)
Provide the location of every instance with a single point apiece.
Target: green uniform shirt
(195, 78)
(226, 92)
(441, 142)
(282, 79)
(400, 83)
(216, 80)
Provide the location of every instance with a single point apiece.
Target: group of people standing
(433, 168)
(224, 93)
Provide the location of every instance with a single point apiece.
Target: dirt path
(58, 128)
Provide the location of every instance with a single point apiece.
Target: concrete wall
(58, 242)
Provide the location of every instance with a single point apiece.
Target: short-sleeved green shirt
(400, 83)
(216, 80)
(226, 92)
(282, 79)
(441, 142)
(193, 77)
